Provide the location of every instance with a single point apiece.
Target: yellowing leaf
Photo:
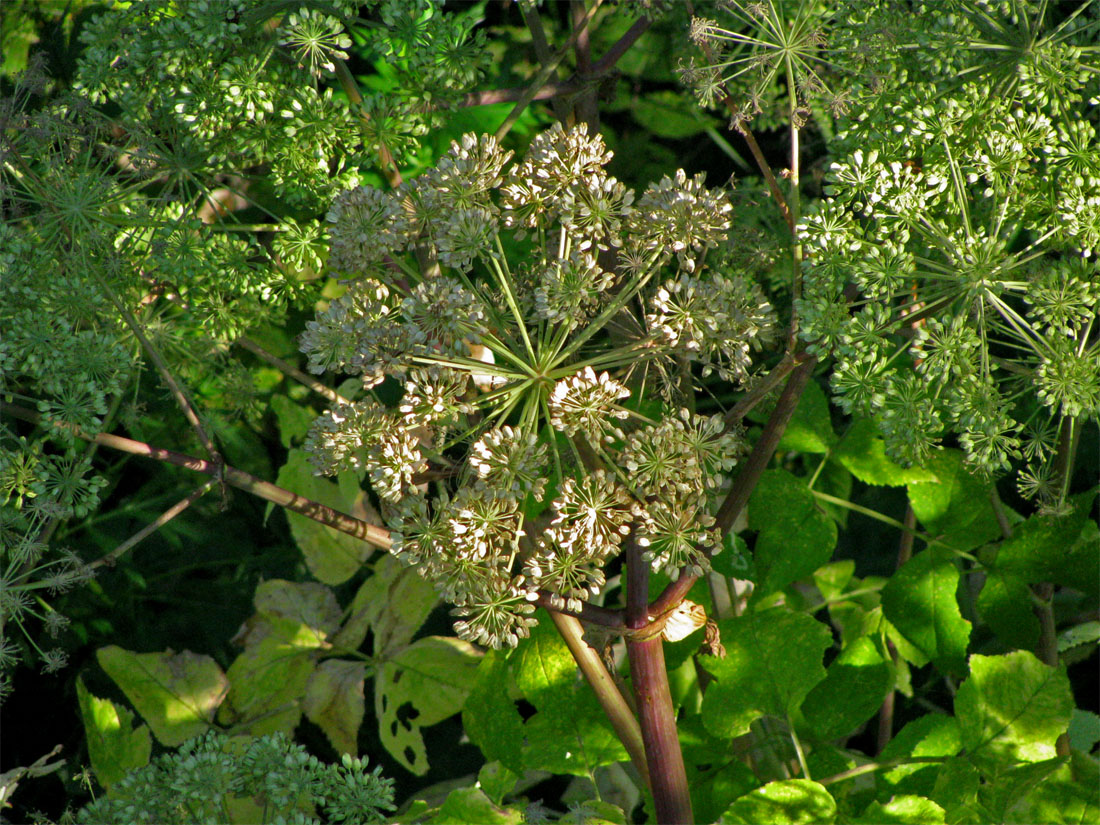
(175, 693)
(269, 678)
(392, 603)
(423, 684)
(334, 702)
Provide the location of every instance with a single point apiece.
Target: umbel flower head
(527, 315)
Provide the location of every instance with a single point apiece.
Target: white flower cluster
(519, 378)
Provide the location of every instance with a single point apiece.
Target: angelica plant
(537, 320)
(163, 205)
(266, 779)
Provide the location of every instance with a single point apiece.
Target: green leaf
(713, 778)
(930, 735)
(334, 701)
(1012, 709)
(795, 538)
(490, 717)
(293, 417)
(1064, 550)
(956, 789)
(331, 556)
(863, 452)
(810, 429)
(423, 684)
(1005, 604)
(955, 505)
(115, 747)
(269, 678)
(569, 733)
(1014, 786)
(773, 660)
(496, 781)
(392, 603)
(175, 693)
(668, 114)
(852, 692)
(734, 560)
(1058, 799)
(788, 802)
(903, 810)
(467, 805)
(920, 601)
(1084, 730)
(1086, 633)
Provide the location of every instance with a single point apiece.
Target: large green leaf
(773, 660)
(920, 601)
(795, 537)
(569, 733)
(928, 735)
(810, 429)
(490, 717)
(464, 806)
(1012, 709)
(115, 747)
(788, 802)
(331, 556)
(334, 701)
(1067, 795)
(903, 810)
(852, 692)
(1006, 605)
(863, 452)
(419, 686)
(955, 505)
(1060, 549)
(175, 693)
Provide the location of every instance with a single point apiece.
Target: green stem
(618, 712)
(885, 764)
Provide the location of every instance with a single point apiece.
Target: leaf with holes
(423, 684)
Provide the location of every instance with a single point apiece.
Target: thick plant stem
(654, 701)
(614, 705)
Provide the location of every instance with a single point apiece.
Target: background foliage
(919, 643)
